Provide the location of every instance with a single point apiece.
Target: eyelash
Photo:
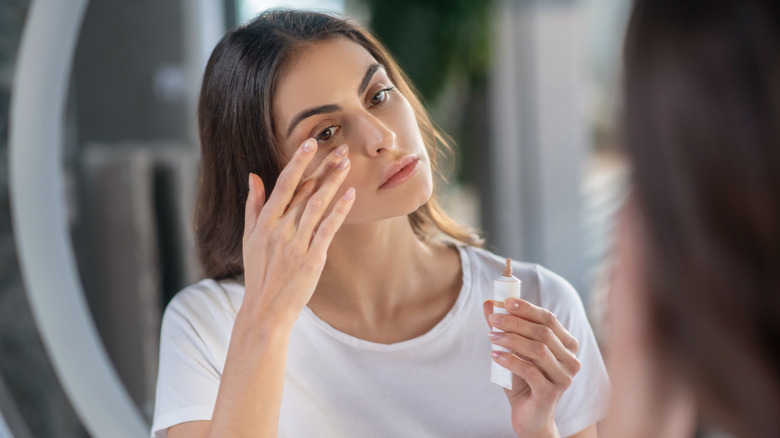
(323, 132)
(386, 92)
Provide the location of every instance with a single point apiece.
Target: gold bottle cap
(508, 268)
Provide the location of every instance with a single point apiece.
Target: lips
(400, 171)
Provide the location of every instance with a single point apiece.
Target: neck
(375, 270)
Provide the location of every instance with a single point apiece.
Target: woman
(335, 307)
(696, 300)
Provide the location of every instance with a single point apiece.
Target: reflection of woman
(696, 302)
(385, 337)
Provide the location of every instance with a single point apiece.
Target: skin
(359, 241)
(646, 402)
(544, 364)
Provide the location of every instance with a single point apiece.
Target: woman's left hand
(543, 364)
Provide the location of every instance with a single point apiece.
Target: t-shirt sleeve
(187, 379)
(586, 400)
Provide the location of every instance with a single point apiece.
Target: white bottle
(504, 287)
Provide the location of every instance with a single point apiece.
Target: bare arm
(190, 429)
(250, 391)
(282, 265)
(588, 432)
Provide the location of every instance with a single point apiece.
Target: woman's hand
(543, 365)
(286, 240)
(285, 243)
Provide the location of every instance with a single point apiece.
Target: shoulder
(540, 285)
(207, 303)
(195, 334)
(207, 294)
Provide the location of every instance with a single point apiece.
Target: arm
(282, 265)
(588, 432)
(190, 429)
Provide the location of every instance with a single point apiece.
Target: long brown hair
(702, 131)
(237, 132)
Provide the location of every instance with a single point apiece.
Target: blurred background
(526, 88)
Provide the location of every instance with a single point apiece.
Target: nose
(374, 135)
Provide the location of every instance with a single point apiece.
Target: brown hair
(702, 131)
(237, 132)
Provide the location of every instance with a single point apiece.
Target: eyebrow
(324, 109)
(373, 68)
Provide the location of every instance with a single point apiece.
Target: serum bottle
(505, 286)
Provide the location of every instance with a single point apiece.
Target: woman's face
(337, 93)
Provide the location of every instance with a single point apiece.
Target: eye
(327, 134)
(382, 96)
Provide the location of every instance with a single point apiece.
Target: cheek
(406, 127)
(629, 359)
(357, 178)
(629, 321)
(313, 166)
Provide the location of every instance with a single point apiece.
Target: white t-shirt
(336, 385)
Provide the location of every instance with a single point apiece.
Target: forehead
(322, 73)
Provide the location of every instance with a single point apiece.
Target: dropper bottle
(505, 286)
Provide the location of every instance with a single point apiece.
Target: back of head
(702, 131)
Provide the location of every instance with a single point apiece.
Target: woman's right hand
(285, 243)
(286, 240)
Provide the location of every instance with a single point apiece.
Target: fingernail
(349, 194)
(512, 303)
(496, 355)
(343, 164)
(496, 318)
(307, 145)
(341, 151)
(250, 182)
(495, 335)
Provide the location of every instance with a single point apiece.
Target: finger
(331, 224)
(530, 373)
(288, 180)
(315, 179)
(328, 163)
(254, 203)
(540, 315)
(487, 308)
(531, 330)
(318, 202)
(538, 353)
(302, 194)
